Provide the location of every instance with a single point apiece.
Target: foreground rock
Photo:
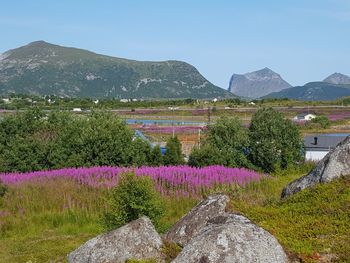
(334, 165)
(136, 240)
(232, 238)
(189, 226)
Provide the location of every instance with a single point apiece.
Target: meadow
(45, 215)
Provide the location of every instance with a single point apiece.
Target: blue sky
(303, 40)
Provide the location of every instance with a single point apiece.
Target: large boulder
(189, 226)
(334, 165)
(232, 238)
(136, 240)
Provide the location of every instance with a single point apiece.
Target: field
(44, 218)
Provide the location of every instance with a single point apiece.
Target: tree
(156, 158)
(231, 138)
(141, 152)
(173, 154)
(133, 197)
(275, 142)
(207, 155)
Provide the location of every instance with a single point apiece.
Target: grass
(41, 222)
(311, 225)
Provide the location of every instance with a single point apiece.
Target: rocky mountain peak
(337, 78)
(257, 83)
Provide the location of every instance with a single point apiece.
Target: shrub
(3, 189)
(156, 157)
(322, 121)
(207, 155)
(275, 142)
(170, 250)
(133, 197)
(227, 144)
(173, 154)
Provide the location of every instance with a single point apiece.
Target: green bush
(173, 154)
(275, 142)
(322, 121)
(3, 189)
(133, 197)
(207, 155)
(156, 157)
(170, 250)
(227, 144)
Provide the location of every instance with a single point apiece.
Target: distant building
(6, 100)
(304, 117)
(77, 109)
(316, 147)
(124, 100)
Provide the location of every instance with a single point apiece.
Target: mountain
(42, 68)
(313, 91)
(257, 84)
(337, 78)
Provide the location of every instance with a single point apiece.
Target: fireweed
(181, 181)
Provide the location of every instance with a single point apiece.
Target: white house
(6, 100)
(316, 147)
(77, 109)
(304, 117)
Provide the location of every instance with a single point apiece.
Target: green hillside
(41, 68)
(313, 91)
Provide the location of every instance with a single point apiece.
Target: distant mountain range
(333, 87)
(313, 91)
(257, 84)
(42, 68)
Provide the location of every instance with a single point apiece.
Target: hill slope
(41, 68)
(313, 91)
(257, 84)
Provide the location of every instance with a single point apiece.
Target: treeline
(270, 143)
(33, 140)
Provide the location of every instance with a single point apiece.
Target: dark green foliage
(207, 155)
(173, 154)
(227, 144)
(156, 157)
(275, 142)
(132, 198)
(231, 139)
(32, 141)
(322, 121)
(3, 189)
(141, 152)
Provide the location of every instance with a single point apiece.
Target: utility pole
(173, 122)
(208, 115)
(199, 138)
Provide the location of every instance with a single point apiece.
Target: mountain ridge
(313, 91)
(257, 83)
(337, 78)
(43, 68)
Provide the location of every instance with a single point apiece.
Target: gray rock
(189, 226)
(232, 238)
(136, 240)
(334, 165)
(257, 84)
